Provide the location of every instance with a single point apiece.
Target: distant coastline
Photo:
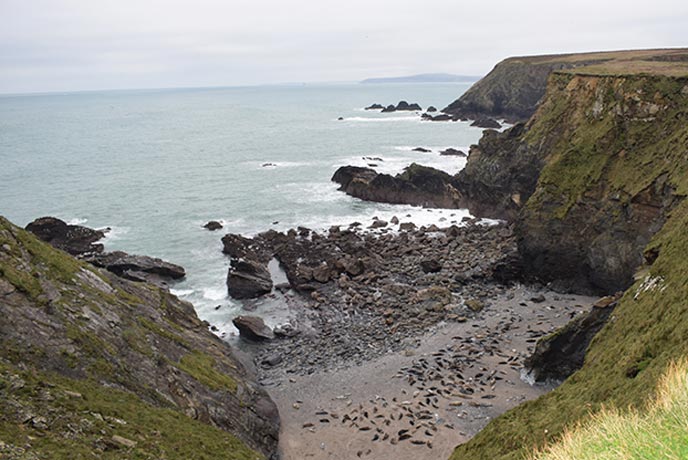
(424, 78)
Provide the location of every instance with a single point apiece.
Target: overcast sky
(65, 45)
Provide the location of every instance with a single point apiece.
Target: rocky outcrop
(453, 152)
(417, 185)
(79, 241)
(213, 225)
(116, 361)
(74, 239)
(375, 107)
(501, 173)
(487, 123)
(403, 106)
(137, 268)
(248, 279)
(562, 353)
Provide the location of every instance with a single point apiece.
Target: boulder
(253, 328)
(430, 265)
(248, 279)
(486, 122)
(378, 224)
(74, 239)
(453, 152)
(389, 108)
(213, 225)
(375, 107)
(431, 109)
(422, 150)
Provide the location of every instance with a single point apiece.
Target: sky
(73, 45)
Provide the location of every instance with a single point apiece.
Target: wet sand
(424, 400)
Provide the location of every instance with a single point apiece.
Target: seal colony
(402, 341)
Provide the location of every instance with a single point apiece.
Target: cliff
(590, 178)
(514, 87)
(609, 149)
(93, 365)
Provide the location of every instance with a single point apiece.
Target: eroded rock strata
(95, 365)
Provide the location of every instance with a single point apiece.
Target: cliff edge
(514, 87)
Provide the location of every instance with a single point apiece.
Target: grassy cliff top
(667, 62)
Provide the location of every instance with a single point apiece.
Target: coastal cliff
(605, 211)
(514, 87)
(96, 365)
(590, 178)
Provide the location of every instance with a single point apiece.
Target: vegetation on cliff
(514, 87)
(658, 433)
(94, 365)
(609, 207)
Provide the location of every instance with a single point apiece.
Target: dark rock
(538, 298)
(248, 279)
(407, 226)
(430, 265)
(440, 117)
(561, 353)
(340, 118)
(431, 109)
(422, 149)
(268, 165)
(213, 225)
(378, 224)
(453, 152)
(73, 239)
(403, 105)
(375, 107)
(253, 328)
(500, 175)
(417, 185)
(137, 268)
(485, 122)
(272, 360)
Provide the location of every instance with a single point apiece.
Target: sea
(155, 165)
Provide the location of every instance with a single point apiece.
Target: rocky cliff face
(590, 178)
(514, 87)
(608, 208)
(615, 168)
(95, 365)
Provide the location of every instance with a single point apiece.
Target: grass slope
(660, 433)
(648, 330)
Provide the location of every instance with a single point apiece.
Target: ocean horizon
(155, 165)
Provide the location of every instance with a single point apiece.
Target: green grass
(83, 427)
(624, 363)
(660, 432)
(202, 367)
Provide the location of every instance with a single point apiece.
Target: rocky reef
(417, 185)
(95, 365)
(81, 241)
